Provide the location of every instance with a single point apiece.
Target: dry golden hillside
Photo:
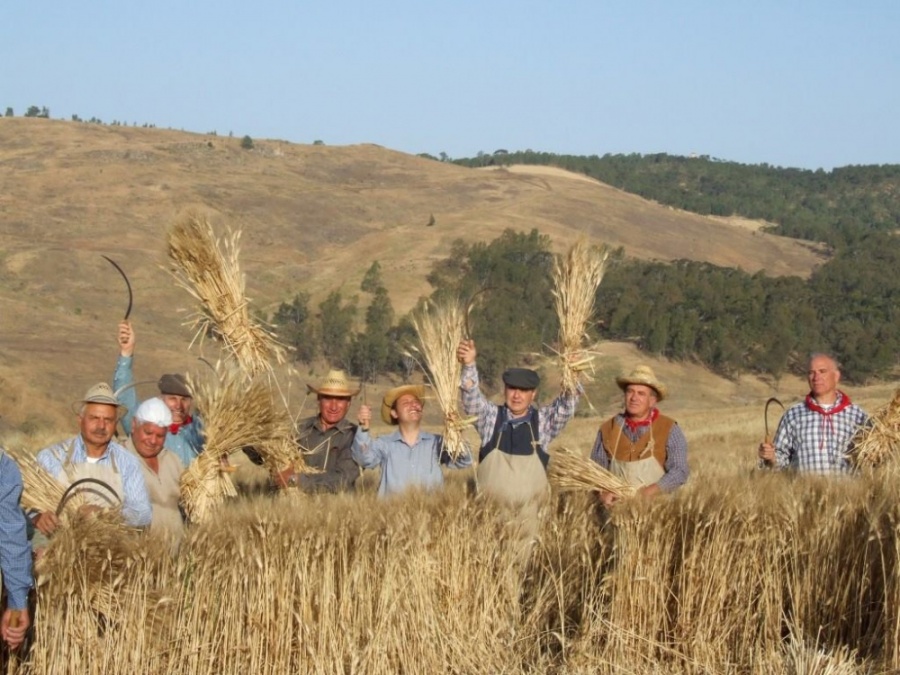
(313, 218)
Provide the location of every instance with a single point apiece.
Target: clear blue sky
(793, 83)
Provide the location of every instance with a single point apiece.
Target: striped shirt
(676, 467)
(136, 509)
(553, 417)
(811, 442)
(15, 551)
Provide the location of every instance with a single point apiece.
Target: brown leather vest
(619, 447)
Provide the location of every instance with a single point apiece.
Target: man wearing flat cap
(639, 444)
(513, 458)
(94, 456)
(160, 467)
(325, 439)
(409, 457)
(185, 434)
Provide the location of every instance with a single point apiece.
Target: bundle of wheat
(576, 278)
(569, 471)
(41, 491)
(440, 329)
(99, 590)
(209, 270)
(879, 441)
(238, 413)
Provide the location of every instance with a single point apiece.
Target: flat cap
(521, 378)
(174, 383)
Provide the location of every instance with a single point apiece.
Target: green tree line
(730, 321)
(836, 207)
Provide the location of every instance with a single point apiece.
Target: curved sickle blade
(768, 403)
(127, 284)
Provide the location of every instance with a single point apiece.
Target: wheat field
(739, 572)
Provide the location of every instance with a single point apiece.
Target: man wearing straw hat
(185, 433)
(15, 555)
(513, 458)
(409, 457)
(113, 473)
(160, 467)
(639, 444)
(815, 435)
(326, 438)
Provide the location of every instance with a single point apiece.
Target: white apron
(640, 472)
(92, 493)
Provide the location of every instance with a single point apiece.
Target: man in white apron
(160, 467)
(639, 444)
(114, 475)
(513, 458)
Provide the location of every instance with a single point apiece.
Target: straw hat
(392, 395)
(335, 383)
(101, 393)
(643, 375)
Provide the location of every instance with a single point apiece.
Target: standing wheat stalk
(576, 277)
(440, 328)
(209, 270)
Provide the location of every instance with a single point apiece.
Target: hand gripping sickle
(768, 403)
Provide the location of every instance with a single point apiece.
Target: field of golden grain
(739, 572)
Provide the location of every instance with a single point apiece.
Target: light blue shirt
(136, 509)
(15, 552)
(186, 444)
(405, 466)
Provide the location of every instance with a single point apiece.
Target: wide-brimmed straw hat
(392, 395)
(643, 375)
(335, 383)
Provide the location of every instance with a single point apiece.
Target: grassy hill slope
(312, 217)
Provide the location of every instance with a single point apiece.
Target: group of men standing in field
(141, 475)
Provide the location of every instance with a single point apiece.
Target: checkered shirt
(810, 442)
(553, 417)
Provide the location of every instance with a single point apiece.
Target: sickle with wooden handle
(768, 403)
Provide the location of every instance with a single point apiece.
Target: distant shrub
(247, 143)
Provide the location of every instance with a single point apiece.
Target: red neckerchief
(634, 425)
(175, 428)
(842, 402)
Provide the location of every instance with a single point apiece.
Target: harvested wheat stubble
(878, 442)
(576, 278)
(440, 328)
(210, 271)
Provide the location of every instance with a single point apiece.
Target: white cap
(154, 411)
